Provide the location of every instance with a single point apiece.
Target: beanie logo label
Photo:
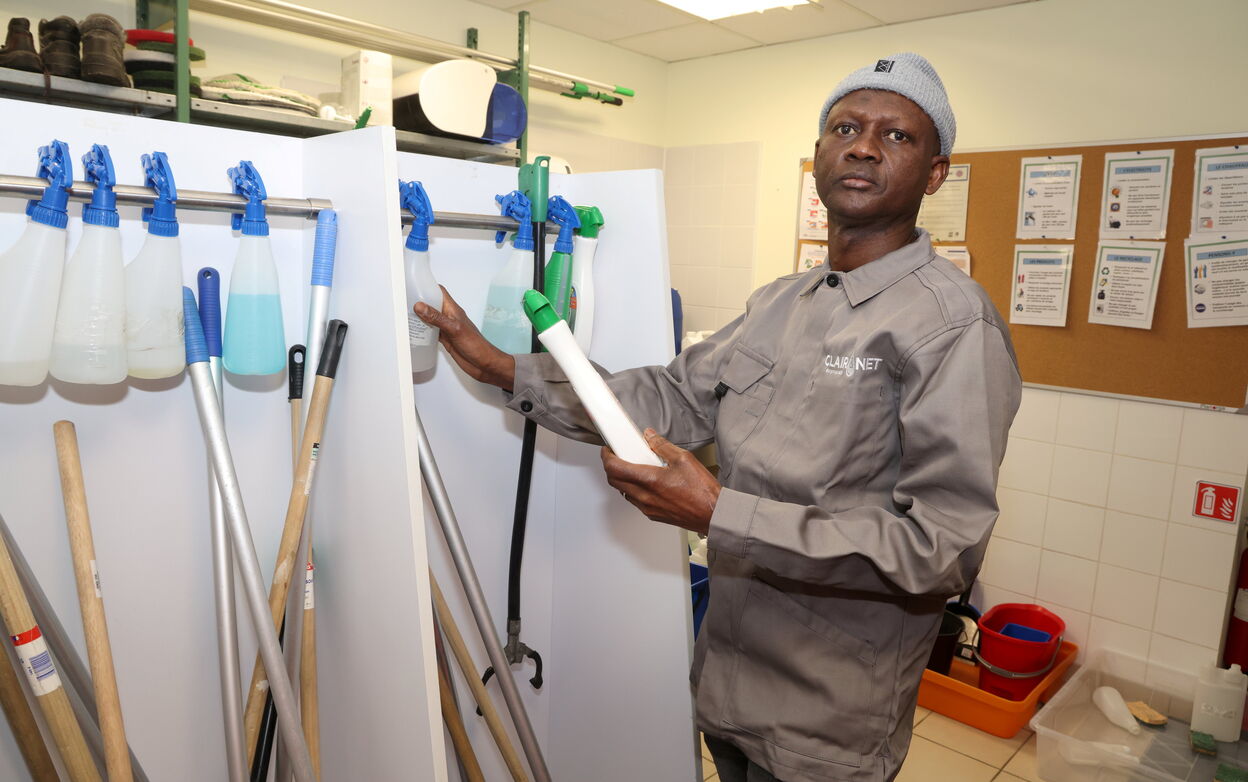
(884, 66)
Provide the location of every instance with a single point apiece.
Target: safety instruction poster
(1048, 198)
(812, 218)
(1217, 282)
(1136, 199)
(1124, 283)
(958, 256)
(810, 255)
(943, 214)
(1220, 197)
(1041, 286)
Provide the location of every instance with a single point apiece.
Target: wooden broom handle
(309, 703)
(459, 736)
(25, 728)
(469, 669)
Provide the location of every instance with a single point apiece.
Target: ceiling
(652, 28)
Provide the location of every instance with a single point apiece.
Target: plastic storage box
(1075, 742)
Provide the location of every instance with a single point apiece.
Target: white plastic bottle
(504, 323)
(30, 275)
(584, 246)
(613, 423)
(255, 337)
(421, 285)
(1218, 707)
(89, 341)
(155, 346)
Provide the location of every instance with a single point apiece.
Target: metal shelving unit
(57, 89)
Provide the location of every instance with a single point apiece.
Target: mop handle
(22, 721)
(240, 530)
(91, 601)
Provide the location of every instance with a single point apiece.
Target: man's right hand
(467, 346)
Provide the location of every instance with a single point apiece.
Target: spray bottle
(255, 341)
(504, 323)
(89, 341)
(421, 285)
(616, 428)
(30, 275)
(559, 268)
(583, 248)
(155, 346)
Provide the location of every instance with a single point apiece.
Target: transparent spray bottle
(505, 323)
(584, 246)
(30, 275)
(559, 268)
(421, 285)
(255, 340)
(155, 346)
(89, 341)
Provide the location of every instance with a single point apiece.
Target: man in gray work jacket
(861, 411)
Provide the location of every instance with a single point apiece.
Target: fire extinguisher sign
(1216, 501)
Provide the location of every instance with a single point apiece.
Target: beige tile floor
(944, 750)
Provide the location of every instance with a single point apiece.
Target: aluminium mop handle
(244, 547)
(91, 601)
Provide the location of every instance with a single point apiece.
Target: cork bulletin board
(1170, 361)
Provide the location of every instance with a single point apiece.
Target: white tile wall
(711, 193)
(1096, 524)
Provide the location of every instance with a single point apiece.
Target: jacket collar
(874, 276)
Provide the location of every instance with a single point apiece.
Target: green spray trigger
(534, 181)
(591, 220)
(413, 198)
(517, 206)
(562, 213)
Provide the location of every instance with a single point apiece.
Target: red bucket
(1011, 667)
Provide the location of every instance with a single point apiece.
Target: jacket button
(833, 281)
(526, 406)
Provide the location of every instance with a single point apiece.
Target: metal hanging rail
(283, 15)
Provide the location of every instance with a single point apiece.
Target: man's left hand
(682, 494)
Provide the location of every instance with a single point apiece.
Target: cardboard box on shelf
(367, 78)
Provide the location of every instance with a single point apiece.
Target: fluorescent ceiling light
(719, 9)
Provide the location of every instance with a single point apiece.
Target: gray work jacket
(861, 419)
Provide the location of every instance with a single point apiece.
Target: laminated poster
(943, 214)
(1048, 197)
(1217, 282)
(1041, 286)
(1124, 283)
(1220, 195)
(810, 255)
(958, 256)
(1136, 199)
(812, 217)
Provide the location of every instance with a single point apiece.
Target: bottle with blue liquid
(255, 339)
(505, 324)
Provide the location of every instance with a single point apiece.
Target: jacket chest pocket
(851, 421)
(745, 391)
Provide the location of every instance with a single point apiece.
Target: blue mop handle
(323, 252)
(210, 308)
(196, 346)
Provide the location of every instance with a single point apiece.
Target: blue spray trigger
(98, 169)
(247, 183)
(565, 217)
(161, 216)
(517, 206)
(413, 198)
(56, 166)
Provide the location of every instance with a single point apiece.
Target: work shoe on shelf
(19, 48)
(59, 45)
(103, 45)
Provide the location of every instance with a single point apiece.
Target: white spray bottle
(155, 345)
(255, 339)
(505, 324)
(30, 275)
(421, 285)
(89, 341)
(584, 245)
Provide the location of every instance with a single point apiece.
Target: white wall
(1096, 523)
(1031, 74)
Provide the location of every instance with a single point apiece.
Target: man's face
(878, 155)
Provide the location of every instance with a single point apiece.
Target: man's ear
(936, 176)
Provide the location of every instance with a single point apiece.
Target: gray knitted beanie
(911, 76)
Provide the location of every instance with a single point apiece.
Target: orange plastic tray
(958, 696)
